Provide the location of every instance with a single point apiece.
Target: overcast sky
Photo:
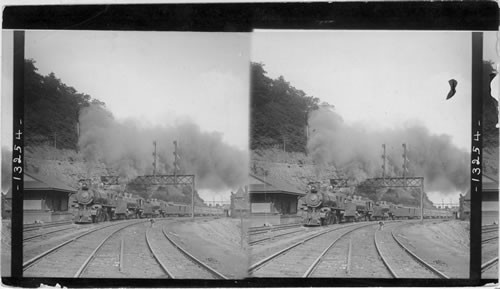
(382, 79)
(154, 77)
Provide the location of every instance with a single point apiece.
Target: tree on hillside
(51, 109)
(278, 112)
(490, 113)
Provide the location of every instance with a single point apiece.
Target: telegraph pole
(192, 201)
(383, 165)
(405, 163)
(176, 159)
(422, 203)
(154, 159)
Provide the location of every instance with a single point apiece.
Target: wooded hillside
(51, 109)
(279, 112)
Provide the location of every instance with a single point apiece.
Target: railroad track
(45, 233)
(489, 264)
(273, 237)
(399, 260)
(176, 260)
(126, 254)
(80, 250)
(33, 227)
(269, 229)
(489, 240)
(302, 263)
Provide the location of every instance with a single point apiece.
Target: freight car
(405, 212)
(128, 206)
(381, 211)
(358, 208)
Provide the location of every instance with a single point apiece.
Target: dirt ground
(6, 249)
(216, 242)
(443, 244)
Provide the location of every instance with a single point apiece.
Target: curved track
(274, 236)
(182, 263)
(268, 229)
(79, 250)
(491, 265)
(399, 260)
(125, 254)
(301, 258)
(28, 237)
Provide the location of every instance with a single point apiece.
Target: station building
(46, 199)
(239, 204)
(272, 201)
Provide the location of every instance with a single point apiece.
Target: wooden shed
(46, 199)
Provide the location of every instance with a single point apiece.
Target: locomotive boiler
(93, 205)
(323, 205)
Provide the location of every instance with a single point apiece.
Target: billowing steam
(127, 147)
(357, 152)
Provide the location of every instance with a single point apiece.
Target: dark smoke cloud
(356, 152)
(127, 147)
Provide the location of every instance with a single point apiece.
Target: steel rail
(272, 237)
(33, 227)
(384, 259)
(262, 230)
(488, 239)
(316, 262)
(33, 260)
(193, 258)
(418, 259)
(155, 255)
(92, 255)
(349, 257)
(45, 234)
(281, 252)
(485, 266)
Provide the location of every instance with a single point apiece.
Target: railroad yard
(489, 249)
(363, 250)
(137, 249)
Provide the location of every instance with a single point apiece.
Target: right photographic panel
(360, 154)
(489, 208)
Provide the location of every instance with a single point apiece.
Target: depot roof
(271, 185)
(38, 182)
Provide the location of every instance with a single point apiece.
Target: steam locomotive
(94, 205)
(324, 205)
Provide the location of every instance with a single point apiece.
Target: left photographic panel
(135, 146)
